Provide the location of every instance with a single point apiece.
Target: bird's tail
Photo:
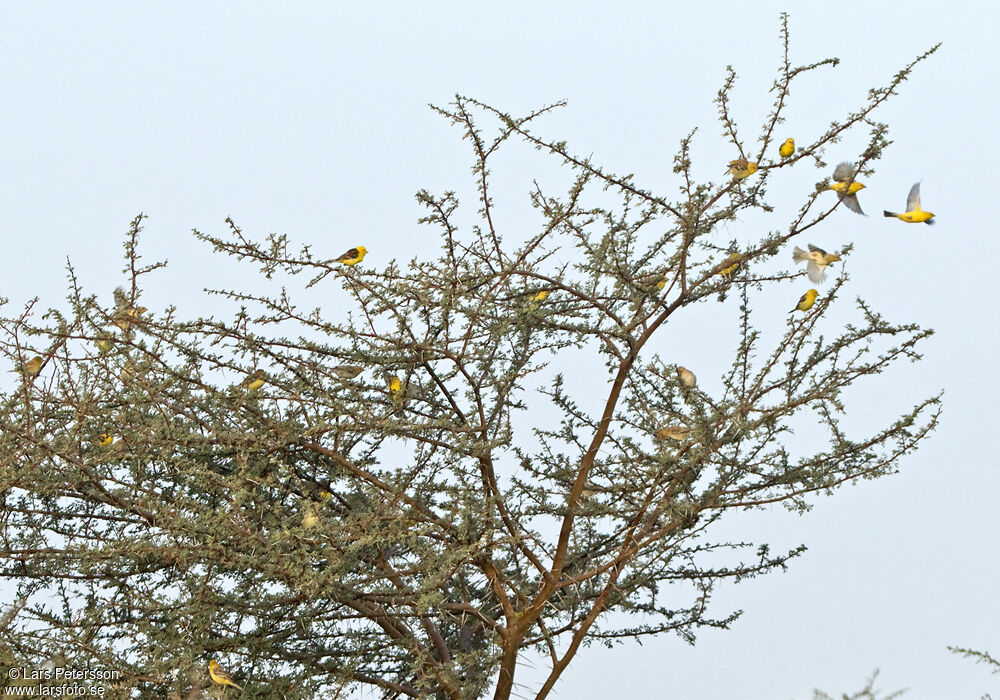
(798, 255)
(889, 214)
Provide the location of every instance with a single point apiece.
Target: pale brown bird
(686, 376)
(348, 371)
(673, 432)
(31, 368)
(817, 259)
(126, 314)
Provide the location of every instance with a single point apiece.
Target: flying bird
(913, 214)
(818, 260)
(845, 186)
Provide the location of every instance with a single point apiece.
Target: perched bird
(806, 301)
(742, 168)
(353, 256)
(913, 214)
(30, 368)
(845, 186)
(309, 518)
(105, 343)
(126, 313)
(254, 381)
(673, 432)
(730, 265)
(220, 675)
(686, 376)
(396, 390)
(105, 439)
(787, 148)
(818, 260)
(654, 282)
(535, 300)
(348, 371)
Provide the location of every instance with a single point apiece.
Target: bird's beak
(835, 258)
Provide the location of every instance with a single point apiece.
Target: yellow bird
(220, 675)
(105, 343)
(105, 439)
(742, 168)
(673, 432)
(348, 371)
(787, 149)
(396, 390)
(534, 301)
(913, 214)
(731, 265)
(845, 186)
(254, 381)
(686, 376)
(806, 301)
(655, 282)
(818, 260)
(353, 256)
(30, 368)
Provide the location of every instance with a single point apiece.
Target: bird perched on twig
(348, 371)
(686, 376)
(787, 149)
(742, 168)
(30, 368)
(818, 260)
(254, 381)
(913, 214)
(126, 313)
(806, 301)
(730, 265)
(845, 186)
(353, 256)
(673, 432)
(220, 675)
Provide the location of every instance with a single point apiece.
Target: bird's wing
(851, 202)
(350, 255)
(844, 172)
(817, 273)
(913, 199)
(814, 249)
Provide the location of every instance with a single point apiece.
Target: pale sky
(312, 120)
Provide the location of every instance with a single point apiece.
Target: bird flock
(846, 186)
(126, 315)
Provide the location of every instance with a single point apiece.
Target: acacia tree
(371, 511)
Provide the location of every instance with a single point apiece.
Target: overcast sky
(312, 121)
